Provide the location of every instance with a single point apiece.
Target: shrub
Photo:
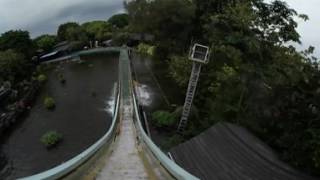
(146, 49)
(163, 119)
(61, 78)
(42, 78)
(120, 38)
(51, 139)
(172, 141)
(49, 103)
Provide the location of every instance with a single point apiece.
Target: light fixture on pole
(199, 54)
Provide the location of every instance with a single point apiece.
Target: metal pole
(196, 69)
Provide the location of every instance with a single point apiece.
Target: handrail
(65, 168)
(175, 170)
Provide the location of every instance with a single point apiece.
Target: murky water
(154, 87)
(155, 90)
(82, 115)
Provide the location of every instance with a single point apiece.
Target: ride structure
(199, 54)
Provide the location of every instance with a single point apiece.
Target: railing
(175, 170)
(77, 55)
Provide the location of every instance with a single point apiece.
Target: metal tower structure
(199, 54)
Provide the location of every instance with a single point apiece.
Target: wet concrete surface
(125, 161)
(81, 117)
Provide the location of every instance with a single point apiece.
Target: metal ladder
(196, 68)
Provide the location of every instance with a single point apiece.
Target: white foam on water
(109, 105)
(110, 101)
(144, 94)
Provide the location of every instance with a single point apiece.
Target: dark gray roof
(229, 152)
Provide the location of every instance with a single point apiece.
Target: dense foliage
(13, 66)
(169, 21)
(95, 30)
(46, 42)
(254, 77)
(163, 119)
(17, 40)
(68, 31)
(119, 20)
(98, 30)
(145, 49)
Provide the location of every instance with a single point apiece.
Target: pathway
(125, 162)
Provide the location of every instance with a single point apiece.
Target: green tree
(119, 20)
(71, 31)
(169, 20)
(62, 33)
(13, 66)
(46, 42)
(253, 78)
(163, 119)
(17, 40)
(98, 30)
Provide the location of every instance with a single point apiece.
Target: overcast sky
(310, 30)
(44, 16)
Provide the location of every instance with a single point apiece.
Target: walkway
(125, 161)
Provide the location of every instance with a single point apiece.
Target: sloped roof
(229, 152)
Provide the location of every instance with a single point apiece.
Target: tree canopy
(17, 40)
(98, 30)
(71, 31)
(254, 78)
(169, 21)
(46, 42)
(12, 66)
(119, 20)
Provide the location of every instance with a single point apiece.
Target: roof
(229, 152)
(49, 54)
(63, 43)
(63, 46)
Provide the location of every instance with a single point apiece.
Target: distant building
(59, 50)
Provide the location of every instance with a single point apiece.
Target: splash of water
(109, 105)
(144, 94)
